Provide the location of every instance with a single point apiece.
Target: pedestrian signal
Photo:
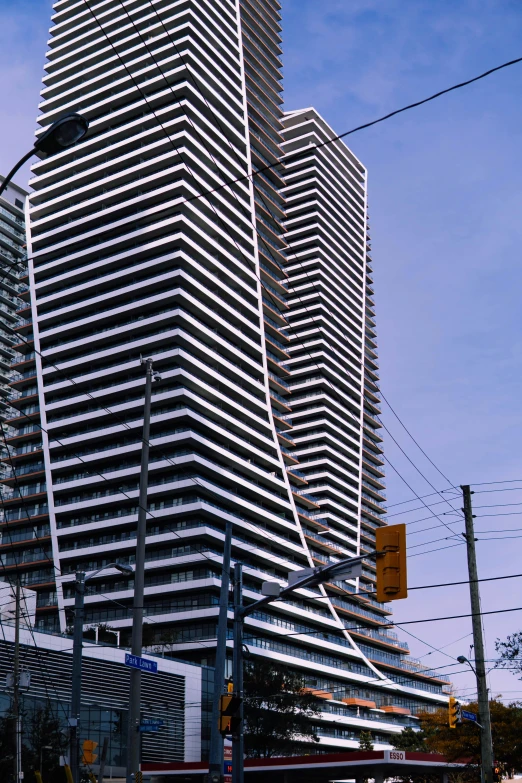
(88, 754)
(229, 719)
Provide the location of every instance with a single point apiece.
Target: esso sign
(395, 755)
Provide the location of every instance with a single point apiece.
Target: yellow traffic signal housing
(88, 754)
(454, 715)
(228, 721)
(390, 542)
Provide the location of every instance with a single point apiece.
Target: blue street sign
(469, 715)
(147, 728)
(152, 722)
(135, 662)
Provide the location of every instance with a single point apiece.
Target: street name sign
(135, 662)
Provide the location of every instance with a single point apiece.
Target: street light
(347, 568)
(463, 659)
(63, 133)
(76, 684)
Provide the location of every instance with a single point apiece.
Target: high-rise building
(150, 239)
(12, 271)
(334, 392)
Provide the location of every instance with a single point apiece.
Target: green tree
(365, 740)
(464, 741)
(280, 714)
(43, 739)
(411, 739)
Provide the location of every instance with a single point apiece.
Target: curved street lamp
(63, 133)
(463, 659)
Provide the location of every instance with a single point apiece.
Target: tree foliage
(279, 713)
(463, 742)
(411, 739)
(43, 738)
(365, 740)
(511, 652)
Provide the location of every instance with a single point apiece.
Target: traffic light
(392, 584)
(497, 772)
(454, 716)
(88, 754)
(229, 720)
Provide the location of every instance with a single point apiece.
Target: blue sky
(445, 205)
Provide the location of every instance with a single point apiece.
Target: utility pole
(486, 742)
(216, 740)
(16, 688)
(133, 736)
(238, 744)
(76, 684)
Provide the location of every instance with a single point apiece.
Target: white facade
(128, 259)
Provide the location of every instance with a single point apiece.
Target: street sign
(143, 729)
(349, 571)
(152, 722)
(135, 662)
(469, 715)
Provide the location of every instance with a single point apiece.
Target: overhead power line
(416, 442)
(466, 582)
(456, 616)
(300, 155)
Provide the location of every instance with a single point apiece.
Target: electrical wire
(299, 156)
(430, 551)
(452, 486)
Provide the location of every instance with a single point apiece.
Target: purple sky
(445, 203)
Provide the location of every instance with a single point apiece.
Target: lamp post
(76, 685)
(486, 744)
(64, 133)
(348, 568)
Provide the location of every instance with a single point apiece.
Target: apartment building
(12, 286)
(137, 247)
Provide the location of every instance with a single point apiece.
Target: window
(18, 203)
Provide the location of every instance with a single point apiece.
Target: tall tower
(150, 239)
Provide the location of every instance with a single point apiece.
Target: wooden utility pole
(486, 742)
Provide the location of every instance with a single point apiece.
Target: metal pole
(103, 759)
(133, 737)
(76, 685)
(486, 742)
(216, 740)
(16, 687)
(238, 754)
